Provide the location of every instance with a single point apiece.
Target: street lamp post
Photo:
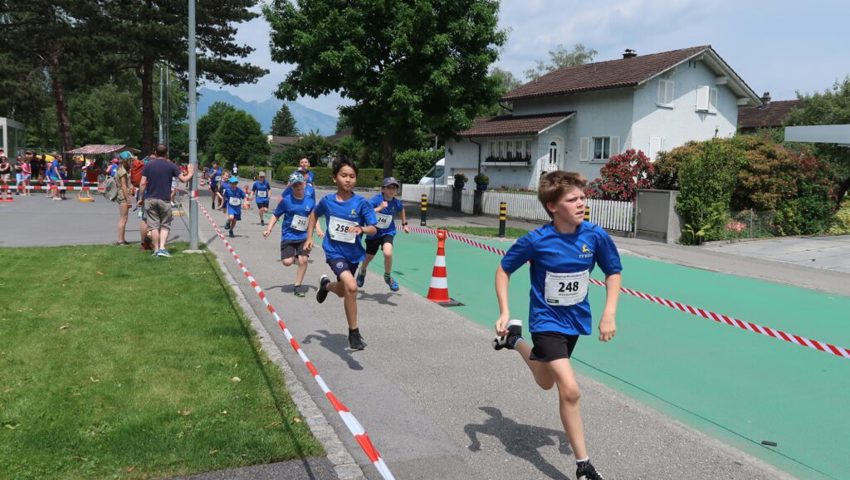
(193, 134)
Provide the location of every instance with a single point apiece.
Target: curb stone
(343, 463)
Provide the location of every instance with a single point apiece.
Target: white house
(576, 118)
(13, 137)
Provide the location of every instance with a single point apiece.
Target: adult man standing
(156, 196)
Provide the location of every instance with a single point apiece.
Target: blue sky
(779, 46)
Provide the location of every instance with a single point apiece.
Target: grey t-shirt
(159, 173)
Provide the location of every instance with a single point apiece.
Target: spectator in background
(26, 172)
(5, 170)
(125, 195)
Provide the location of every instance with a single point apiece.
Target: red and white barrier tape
(345, 414)
(39, 188)
(699, 312)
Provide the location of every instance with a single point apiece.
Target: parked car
(436, 174)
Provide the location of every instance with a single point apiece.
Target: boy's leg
(388, 258)
(302, 269)
(346, 288)
(568, 402)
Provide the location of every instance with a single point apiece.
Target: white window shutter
(584, 149)
(702, 98)
(615, 146)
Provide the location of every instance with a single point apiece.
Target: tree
(413, 68)
(239, 138)
(283, 123)
(828, 108)
(147, 33)
(560, 57)
(208, 124)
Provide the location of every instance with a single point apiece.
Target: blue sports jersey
(262, 192)
(215, 176)
(386, 215)
(233, 197)
(307, 176)
(560, 271)
(339, 218)
(295, 213)
(309, 191)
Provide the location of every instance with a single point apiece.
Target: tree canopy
(283, 123)
(239, 138)
(412, 68)
(208, 124)
(561, 57)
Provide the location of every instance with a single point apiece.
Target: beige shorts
(158, 213)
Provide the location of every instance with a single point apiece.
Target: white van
(437, 174)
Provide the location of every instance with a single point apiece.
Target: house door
(554, 162)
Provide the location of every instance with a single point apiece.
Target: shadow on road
(520, 440)
(336, 343)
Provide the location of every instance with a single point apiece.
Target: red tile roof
(514, 125)
(610, 74)
(770, 115)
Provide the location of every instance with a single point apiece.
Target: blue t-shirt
(215, 176)
(340, 216)
(262, 192)
(393, 206)
(560, 270)
(53, 170)
(294, 209)
(159, 173)
(233, 197)
(307, 176)
(309, 191)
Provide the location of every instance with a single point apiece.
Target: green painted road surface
(741, 387)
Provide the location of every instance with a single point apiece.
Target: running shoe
(163, 253)
(361, 278)
(390, 281)
(322, 292)
(231, 233)
(299, 291)
(509, 341)
(262, 222)
(355, 341)
(585, 471)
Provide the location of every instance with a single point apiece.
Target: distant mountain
(306, 119)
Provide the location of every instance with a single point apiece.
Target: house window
(528, 148)
(601, 148)
(493, 149)
(665, 92)
(712, 99)
(706, 99)
(509, 149)
(519, 150)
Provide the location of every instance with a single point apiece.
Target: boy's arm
(311, 225)
(269, 228)
(608, 323)
(404, 221)
(503, 279)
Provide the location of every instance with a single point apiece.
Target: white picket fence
(608, 214)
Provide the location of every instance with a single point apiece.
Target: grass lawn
(510, 232)
(114, 364)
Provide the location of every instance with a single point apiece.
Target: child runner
(385, 205)
(561, 255)
(215, 182)
(295, 208)
(232, 198)
(348, 216)
(262, 192)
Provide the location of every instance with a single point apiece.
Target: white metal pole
(193, 134)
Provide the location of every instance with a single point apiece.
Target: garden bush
(322, 176)
(411, 165)
(622, 176)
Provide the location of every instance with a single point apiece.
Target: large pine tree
(283, 123)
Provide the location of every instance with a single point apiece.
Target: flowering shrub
(622, 176)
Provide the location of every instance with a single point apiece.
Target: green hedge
(367, 177)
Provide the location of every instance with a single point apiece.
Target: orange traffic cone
(439, 290)
(8, 193)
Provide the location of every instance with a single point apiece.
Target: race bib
(299, 223)
(565, 289)
(217, 178)
(384, 221)
(341, 230)
(235, 201)
(262, 194)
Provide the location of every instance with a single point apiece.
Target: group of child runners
(560, 255)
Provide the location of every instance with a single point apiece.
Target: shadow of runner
(382, 298)
(336, 343)
(520, 440)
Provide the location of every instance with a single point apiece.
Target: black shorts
(289, 249)
(339, 265)
(377, 243)
(550, 346)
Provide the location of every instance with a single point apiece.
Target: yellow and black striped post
(586, 213)
(503, 217)
(423, 211)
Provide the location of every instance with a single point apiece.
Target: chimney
(629, 53)
(765, 99)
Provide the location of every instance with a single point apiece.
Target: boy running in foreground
(385, 205)
(561, 256)
(348, 217)
(232, 199)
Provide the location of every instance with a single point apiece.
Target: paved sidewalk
(439, 403)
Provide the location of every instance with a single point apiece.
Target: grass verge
(114, 364)
(510, 232)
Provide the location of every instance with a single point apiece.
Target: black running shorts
(550, 346)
